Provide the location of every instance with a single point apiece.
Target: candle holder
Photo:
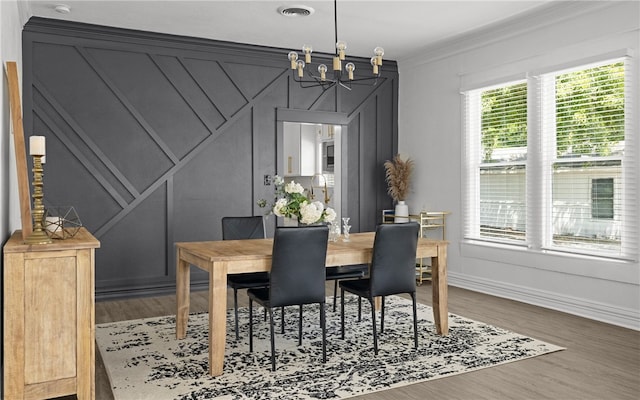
(61, 222)
(38, 236)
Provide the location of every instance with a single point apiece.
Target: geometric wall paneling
(138, 238)
(196, 92)
(251, 78)
(223, 176)
(154, 138)
(142, 83)
(216, 84)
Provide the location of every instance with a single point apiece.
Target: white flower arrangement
(291, 202)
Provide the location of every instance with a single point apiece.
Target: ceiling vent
(296, 11)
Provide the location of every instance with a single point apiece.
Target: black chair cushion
(347, 272)
(359, 287)
(261, 295)
(250, 280)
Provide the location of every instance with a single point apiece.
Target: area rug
(144, 360)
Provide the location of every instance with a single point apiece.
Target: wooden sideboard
(49, 318)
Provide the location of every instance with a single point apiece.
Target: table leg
(439, 291)
(217, 316)
(182, 296)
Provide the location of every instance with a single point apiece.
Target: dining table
(222, 257)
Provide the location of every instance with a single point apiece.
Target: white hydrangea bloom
(330, 215)
(277, 208)
(278, 180)
(294, 187)
(310, 213)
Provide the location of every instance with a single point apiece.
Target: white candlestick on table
(37, 145)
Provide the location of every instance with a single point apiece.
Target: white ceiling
(401, 27)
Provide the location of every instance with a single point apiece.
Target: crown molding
(553, 13)
(47, 26)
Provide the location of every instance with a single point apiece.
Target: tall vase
(401, 212)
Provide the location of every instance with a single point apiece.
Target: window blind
(496, 128)
(585, 114)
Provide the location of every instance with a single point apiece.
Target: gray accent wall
(154, 138)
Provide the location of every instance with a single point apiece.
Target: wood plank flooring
(601, 361)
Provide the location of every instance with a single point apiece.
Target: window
(548, 163)
(602, 198)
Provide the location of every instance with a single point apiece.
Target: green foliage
(589, 113)
(504, 118)
(590, 110)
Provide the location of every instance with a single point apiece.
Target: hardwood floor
(601, 361)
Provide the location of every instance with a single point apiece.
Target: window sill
(573, 264)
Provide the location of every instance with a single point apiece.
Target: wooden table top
(252, 249)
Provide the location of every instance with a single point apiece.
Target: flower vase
(286, 221)
(401, 212)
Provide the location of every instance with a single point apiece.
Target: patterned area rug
(144, 360)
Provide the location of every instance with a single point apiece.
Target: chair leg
(323, 324)
(282, 318)
(342, 313)
(235, 309)
(415, 321)
(300, 327)
(250, 325)
(375, 333)
(273, 341)
(335, 293)
(359, 308)
(382, 315)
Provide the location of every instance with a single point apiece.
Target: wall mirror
(311, 150)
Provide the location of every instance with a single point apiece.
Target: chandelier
(309, 74)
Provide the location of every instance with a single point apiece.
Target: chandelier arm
(316, 82)
(316, 78)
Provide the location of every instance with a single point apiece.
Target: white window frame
(541, 138)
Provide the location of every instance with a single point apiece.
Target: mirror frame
(316, 117)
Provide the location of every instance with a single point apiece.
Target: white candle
(36, 146)
(53, 224)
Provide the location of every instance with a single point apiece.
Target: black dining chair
(238, 228)
(297, 277)
(392, 271)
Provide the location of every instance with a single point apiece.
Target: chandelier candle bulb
(37, 146)
(322, 69)
(379, 52)
(307, 50)
(375, 66)
(300, 68)
(350, 68)
(293, 57)
(337, 65)
(341, 46)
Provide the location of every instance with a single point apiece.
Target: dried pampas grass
(398, 177)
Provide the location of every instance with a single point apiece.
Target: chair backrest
(393, 264)
(298, 270)
(237, 228)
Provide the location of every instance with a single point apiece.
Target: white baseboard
(625, 317)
